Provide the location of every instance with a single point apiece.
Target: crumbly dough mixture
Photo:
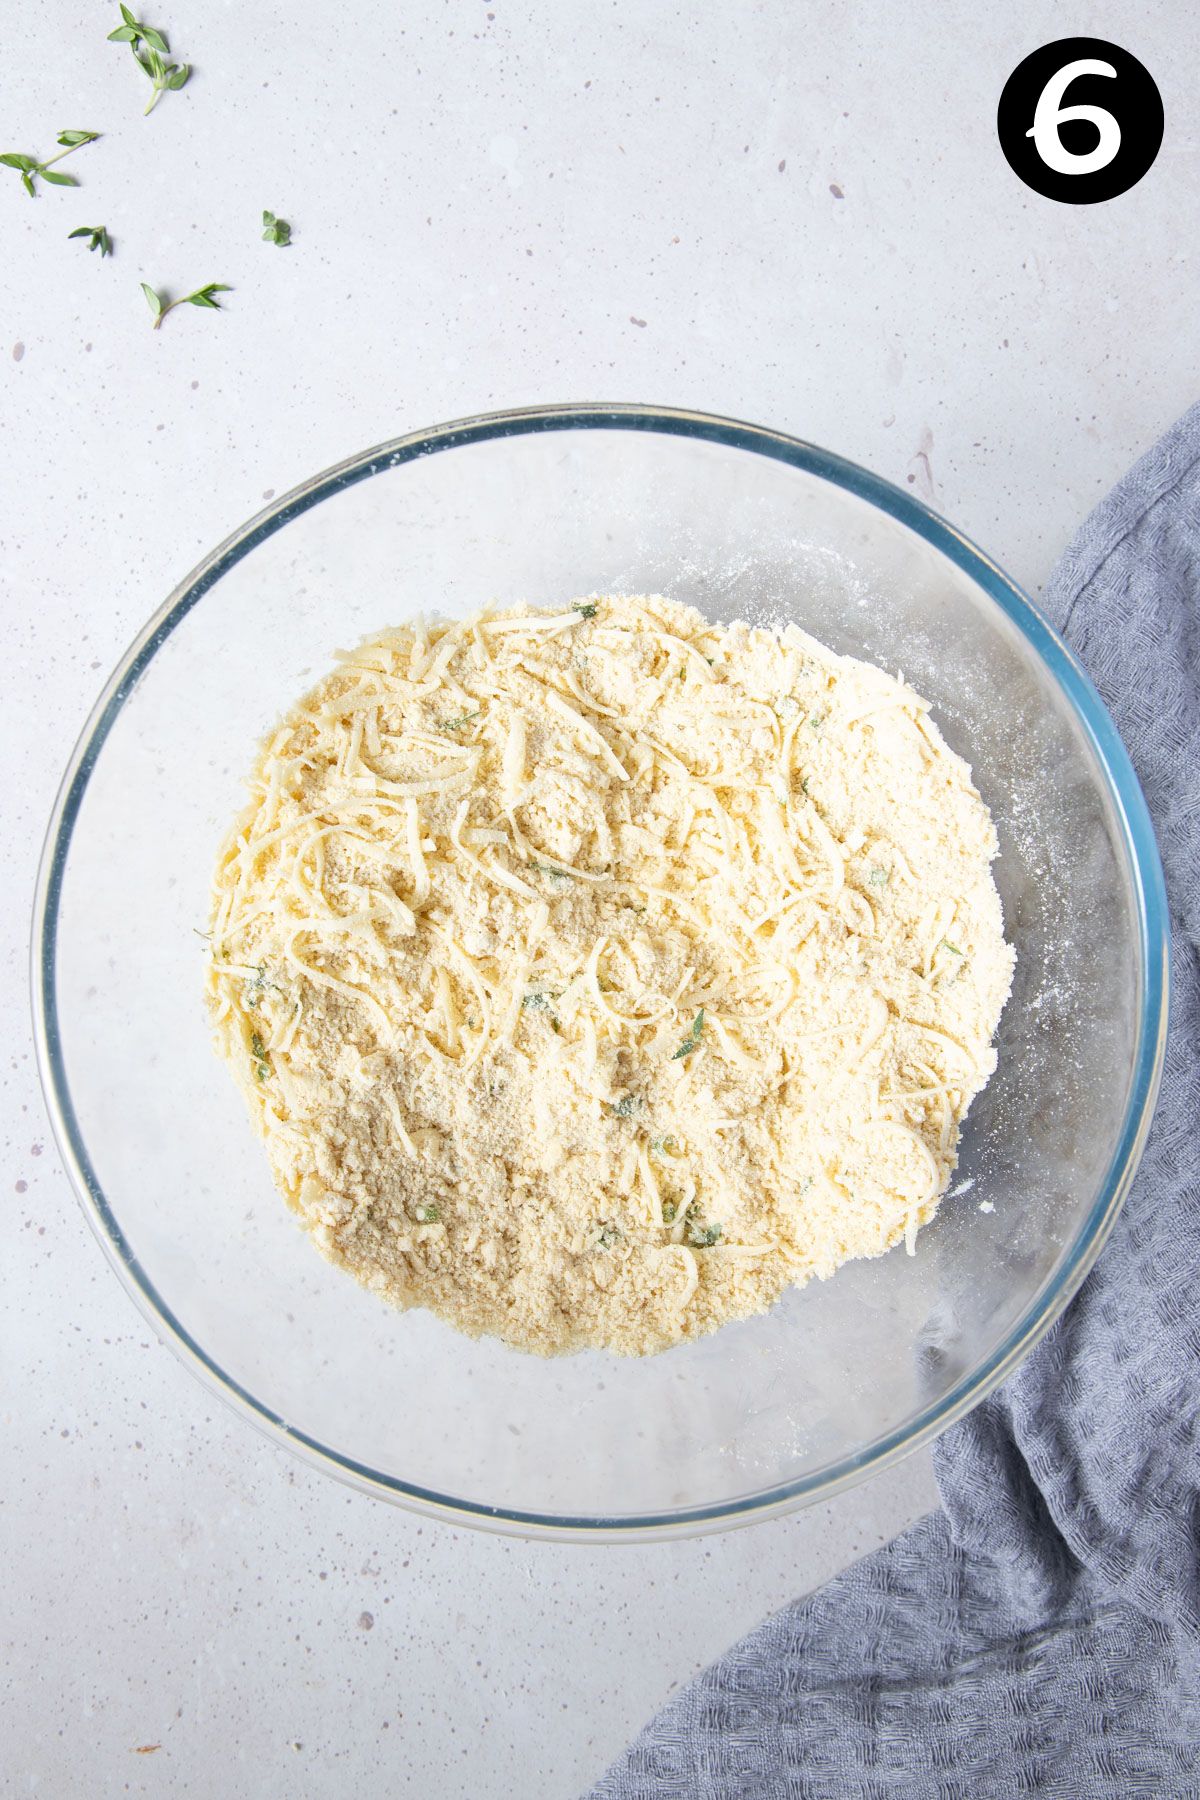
(594, 975)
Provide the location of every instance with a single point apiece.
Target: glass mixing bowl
(842, 1377)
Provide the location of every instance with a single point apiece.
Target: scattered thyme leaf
(259, 1057)
(585, 608)
(670, 1208)
(548, 869)
(276, 231)
(609, 1234)
(204, 296)
(663, 1146)
(428, 1214)
(457, 724)
(31, 170)
(952, 948)
(691, 1041)
(160, 307)
(150, 49)
(98, 235)
(133, 32)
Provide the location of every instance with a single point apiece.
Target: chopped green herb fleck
(670, 1208)
(609, 1233)
(202, 297)
(585, 608)
(457, 724)
(879, 877)
(541, 999)
(98, 235)
(804, 785)
(258, 985)
(692, 1039)
(663, 1146)
(276, 231)
(952, 948)
(817, 720)
(549, 869)
(259, 1057)
(626, 1106)
(428, 1215)
(701, 1237)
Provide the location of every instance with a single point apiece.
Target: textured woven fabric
(1042, 1634)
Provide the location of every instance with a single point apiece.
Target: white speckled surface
(786, 213)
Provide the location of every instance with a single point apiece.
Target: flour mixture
(594, 975)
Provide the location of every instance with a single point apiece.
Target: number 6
(1050, 114)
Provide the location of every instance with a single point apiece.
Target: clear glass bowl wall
(840, 1377)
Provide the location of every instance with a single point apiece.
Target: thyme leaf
(98, 235)
(160, 306)
(31, 170)
(150, 50)
(276, 231)
(692, 1040)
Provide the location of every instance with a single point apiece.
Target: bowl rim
(1126, 798)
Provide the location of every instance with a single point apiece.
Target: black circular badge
(1080, 120)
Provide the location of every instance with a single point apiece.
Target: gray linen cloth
(1042, 1634)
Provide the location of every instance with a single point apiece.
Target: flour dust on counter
(593, 975)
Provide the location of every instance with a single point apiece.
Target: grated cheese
(605, 1037)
